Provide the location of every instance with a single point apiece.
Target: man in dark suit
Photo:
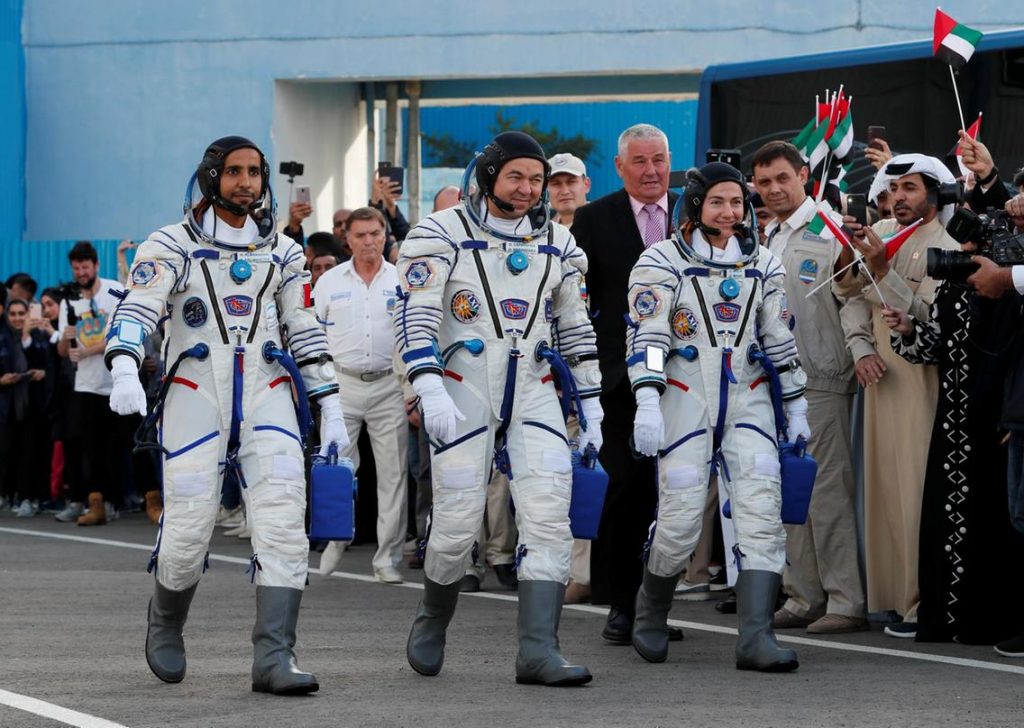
(613, 231)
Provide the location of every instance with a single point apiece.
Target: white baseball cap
(566, 163)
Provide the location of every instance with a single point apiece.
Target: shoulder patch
(646, 303)
(144, 274)
(418, 274)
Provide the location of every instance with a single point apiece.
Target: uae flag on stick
(893, 243)
(972, 132)
(952, 42)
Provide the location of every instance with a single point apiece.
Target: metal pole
(391, 124)
(413, 89)
(371, 135)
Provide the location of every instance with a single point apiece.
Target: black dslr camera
(992, 233)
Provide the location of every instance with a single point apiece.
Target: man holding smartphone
(822, 576)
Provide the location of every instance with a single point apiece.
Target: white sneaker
(330, 559)
(25, 510)
(112, 514)
(689, 592)
(232, 519)
(387, 575)
(238, 530)
(70, 513)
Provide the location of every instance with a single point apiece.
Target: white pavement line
(55, 712)
(697, 626)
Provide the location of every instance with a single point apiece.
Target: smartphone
(876, 133)
(395, 174)
(302, 194)
(729, 156)
(857, 207)
(677, 179)
(35, 310)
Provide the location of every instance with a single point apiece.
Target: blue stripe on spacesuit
(275, 428)
(684, 439)
(549, 428)
(208, 254)
(192, 445)
(758, 430)
(459, 440)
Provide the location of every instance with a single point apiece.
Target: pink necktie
(654, 229)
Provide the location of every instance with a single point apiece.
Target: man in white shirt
(355, 302)
(101, 437)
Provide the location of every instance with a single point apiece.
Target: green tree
(552, 140)
(446, 151)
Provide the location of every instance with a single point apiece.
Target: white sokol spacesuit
(701, 321)
(481, 304)
(231, 297)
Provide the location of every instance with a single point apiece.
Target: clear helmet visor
(474, 203)
(263, 211)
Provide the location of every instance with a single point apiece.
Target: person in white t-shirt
(355, 302)
(100, 435)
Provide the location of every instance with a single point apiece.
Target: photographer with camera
(899, 397)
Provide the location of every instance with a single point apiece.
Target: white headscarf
(906, 164)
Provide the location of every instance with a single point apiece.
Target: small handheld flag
(953, 43)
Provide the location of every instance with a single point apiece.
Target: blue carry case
(332, 495)
(589, 486)
(798, 472)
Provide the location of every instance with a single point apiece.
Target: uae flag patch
(952, 42)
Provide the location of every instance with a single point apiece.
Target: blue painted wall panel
(12, 123)
(47, 260)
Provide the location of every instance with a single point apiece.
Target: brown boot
(154, 505)
(96, 515)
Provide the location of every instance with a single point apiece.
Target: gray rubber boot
(425, 648)
(165, 646)
(539, 660)
(273, 637)
(650, 628)
(756, 592)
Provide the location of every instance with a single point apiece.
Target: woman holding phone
(24, 436)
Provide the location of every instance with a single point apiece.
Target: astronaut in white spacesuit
(492, 302)
(235, 295)
(708, 319)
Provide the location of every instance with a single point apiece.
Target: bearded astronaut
(235, 295)
(706, 307)
(491, 303)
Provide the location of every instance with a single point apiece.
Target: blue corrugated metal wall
(600, 121)
(12, 123)
(47, 260)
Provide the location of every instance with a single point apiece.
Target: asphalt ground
(72, 627)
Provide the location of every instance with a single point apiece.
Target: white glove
(649, 425)
(127, 397)
(439, 410)
(332, 425)
(593, 413)
(796, 413)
